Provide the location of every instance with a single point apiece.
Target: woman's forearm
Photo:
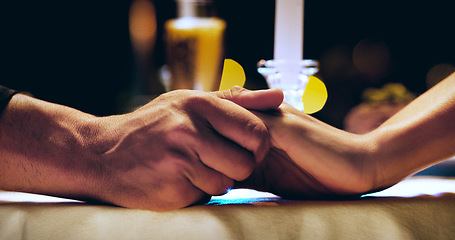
(41, 147)
(316, 158)
(421, 134)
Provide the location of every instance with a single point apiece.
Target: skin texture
(310, 159)
(185, 146)
(175, 151)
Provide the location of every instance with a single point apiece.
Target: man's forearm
(42, 147)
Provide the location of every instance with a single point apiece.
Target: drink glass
(194, 47)
(289, 76)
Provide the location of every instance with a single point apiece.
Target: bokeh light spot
(438, 72)
(372, 56)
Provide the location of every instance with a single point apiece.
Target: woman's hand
(310, 159)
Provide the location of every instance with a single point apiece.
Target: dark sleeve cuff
(5, 96)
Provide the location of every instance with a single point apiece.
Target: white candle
(289, 47)
(289, 29)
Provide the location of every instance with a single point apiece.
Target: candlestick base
(290, 76)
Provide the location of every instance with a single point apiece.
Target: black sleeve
(5, 95)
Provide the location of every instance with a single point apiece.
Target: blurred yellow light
(142, 23)
(315, 95)
(233, 75)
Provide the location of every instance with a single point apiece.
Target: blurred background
(99, 56)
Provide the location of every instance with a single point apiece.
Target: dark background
(79, 53)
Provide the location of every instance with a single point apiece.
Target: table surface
(417, 208)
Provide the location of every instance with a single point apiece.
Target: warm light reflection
(142, 23)
(372, 56)
(336, 62)
(438, 72)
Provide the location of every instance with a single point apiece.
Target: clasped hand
(182, 148)
(185, 146)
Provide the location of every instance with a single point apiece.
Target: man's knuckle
(256, 132)
(197, 101)
(181, 132)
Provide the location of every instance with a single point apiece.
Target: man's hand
(180, 148)
(175, 151)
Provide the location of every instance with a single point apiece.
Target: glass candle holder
(289, 76)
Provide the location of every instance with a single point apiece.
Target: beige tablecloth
(418, 208)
